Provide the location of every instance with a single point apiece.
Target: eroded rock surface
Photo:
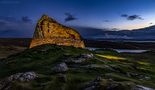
(49, 31)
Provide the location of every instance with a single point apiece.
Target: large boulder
(49, 31)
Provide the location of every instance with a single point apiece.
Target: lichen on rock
(49, 31)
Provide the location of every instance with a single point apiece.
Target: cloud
(109, 36)
(124, 15)
(2, 23)
(13, 27)
(26, 19)
(93, 33)
(132, 17)
(8, 19)
(12, 22)
(69, 17)
(106, 21)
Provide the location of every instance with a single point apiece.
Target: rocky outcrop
(49, 31)
(6, 84)
(27, 76)
(79, 59)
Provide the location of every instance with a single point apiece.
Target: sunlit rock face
(49, 31)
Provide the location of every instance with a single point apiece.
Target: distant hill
(141, 34)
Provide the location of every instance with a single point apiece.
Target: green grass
(42, 58)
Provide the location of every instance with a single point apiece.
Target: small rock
(139, 76)
(98, 79)
(75, 60)
(87, 55)
(90, 88)
(62, 78)
(113, 85)
(147, 78)
(62, 67)
(94, 85)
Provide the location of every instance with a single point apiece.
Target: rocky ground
(51, 67)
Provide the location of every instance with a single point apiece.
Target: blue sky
(89, 13)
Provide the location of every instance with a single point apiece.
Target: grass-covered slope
(125, 69)
(39, 59)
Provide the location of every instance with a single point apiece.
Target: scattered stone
(60, 68)
(130, 74)
(113, 85)
(139, 76)
(79, 59)
(44, 50)
(5, 84)
(97, 66)
(94, 85)
(27, 76)
(75, 60)
(147, 78)
(87, 56)
(103, 84)
(117, 69)
(62, 77)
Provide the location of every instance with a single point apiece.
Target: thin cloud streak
(132, 17)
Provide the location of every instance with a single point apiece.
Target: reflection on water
(120, 50)
(129, 51)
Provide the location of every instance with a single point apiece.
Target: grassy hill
(123, 70)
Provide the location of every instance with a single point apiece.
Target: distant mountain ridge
(143, 33)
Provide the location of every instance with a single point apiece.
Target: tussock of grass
(143, 63)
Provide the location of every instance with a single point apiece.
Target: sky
(20, 16)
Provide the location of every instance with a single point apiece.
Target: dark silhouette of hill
(141, 34)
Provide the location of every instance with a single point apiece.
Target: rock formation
(49, 31)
